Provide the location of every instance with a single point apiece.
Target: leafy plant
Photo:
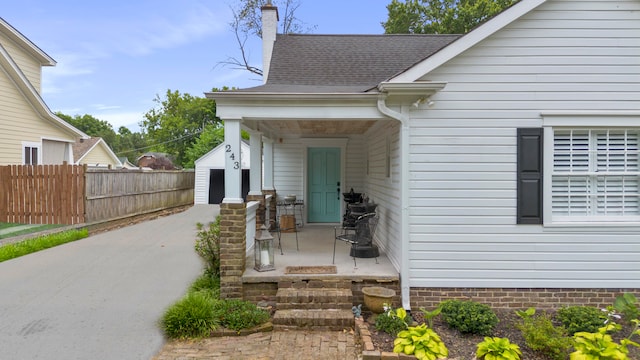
(208, 283)
(208, 246)
(190, 317)
(469, 316)
(600, 345)
(495, 348)
(392, 321)
(541, 335)
(429, 315)
(422, 342)
(627, 305)
(581, 318)
(239, 314)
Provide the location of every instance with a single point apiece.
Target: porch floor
(316, 249)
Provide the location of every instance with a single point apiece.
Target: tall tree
(440, 16)
(247, 22)
(130, 144)
(177, 122)
(91, 126)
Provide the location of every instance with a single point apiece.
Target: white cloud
(127, 119)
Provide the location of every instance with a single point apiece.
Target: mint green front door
(323, 177)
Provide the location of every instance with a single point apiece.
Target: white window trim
(32, 144)
(578, 120)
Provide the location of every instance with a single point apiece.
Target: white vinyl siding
(595, 175)
(563, 56)
(383, 156)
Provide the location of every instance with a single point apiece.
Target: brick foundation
(260, 212)
(429, 298)
(232, 249)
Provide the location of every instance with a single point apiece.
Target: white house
(502, 160)
(209, 181)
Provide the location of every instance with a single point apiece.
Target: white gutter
(405, 288)
(408, 92)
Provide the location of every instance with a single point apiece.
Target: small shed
(209, 182)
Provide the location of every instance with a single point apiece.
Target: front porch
(315, 244)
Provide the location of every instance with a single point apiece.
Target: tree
(440, 16)
(130, 144)
(179, 120)
(92, 127)
(247, 22)
(211, 136)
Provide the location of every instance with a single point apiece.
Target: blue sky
(114, 57)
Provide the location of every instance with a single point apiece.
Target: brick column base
(260, 212)
(233, 244)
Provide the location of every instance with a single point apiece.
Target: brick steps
(315, 305)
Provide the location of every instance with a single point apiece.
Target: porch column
(255, 176)
(267, 153)
(233, 162)
(267, 186)
(233, 216)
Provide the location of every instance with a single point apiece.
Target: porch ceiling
(320, 127)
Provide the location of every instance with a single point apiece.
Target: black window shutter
(529, 176)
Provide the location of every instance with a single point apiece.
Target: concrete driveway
(100, 297)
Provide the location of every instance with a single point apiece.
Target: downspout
(405, 288)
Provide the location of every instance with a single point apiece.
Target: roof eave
(33, 49)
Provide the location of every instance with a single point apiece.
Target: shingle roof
(345, 63)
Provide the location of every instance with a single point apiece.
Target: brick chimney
(269, 30)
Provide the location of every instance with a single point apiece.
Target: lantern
(264, 250)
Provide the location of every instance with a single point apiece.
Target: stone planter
(376, 296)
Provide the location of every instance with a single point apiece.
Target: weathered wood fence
(71, 194)
(112, 194)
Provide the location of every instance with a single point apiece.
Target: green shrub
(627, 305)
(581, 319)
(191, 317)
(208, 246)
(541, 335)
(208, 283)
(469, 316)
(393, 321)
(239, 314)
(421, 342)
(498, 349)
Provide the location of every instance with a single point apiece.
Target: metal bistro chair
(360, 235)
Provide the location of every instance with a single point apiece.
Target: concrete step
(316, 319)
(314, 298)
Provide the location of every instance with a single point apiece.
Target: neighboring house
(95, 153)
(505, 161)
(29, 132)
(209, 181)
(155, 161)
(126, 164)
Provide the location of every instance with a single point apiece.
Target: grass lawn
(31, 229)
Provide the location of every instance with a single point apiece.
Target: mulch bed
(463, 346)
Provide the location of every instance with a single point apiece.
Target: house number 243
(232, 156)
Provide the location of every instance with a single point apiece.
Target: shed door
(324, 185)
(216, 185)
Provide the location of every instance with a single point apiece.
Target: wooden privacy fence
(42, 194)
(71, 194)
(112, 194)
